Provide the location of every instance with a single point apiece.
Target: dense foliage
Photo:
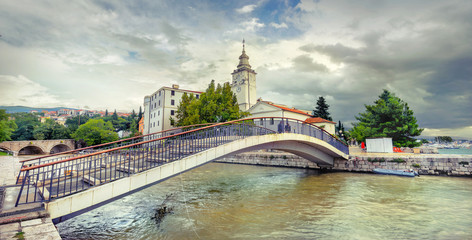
(27, 126)
(96, 131)
(216, 104)
(389, 117)
(50, 130)
(443, 139)
(6, 126)
(321, 109)
(26, 123)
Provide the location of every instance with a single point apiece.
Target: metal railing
(100, 147)
(52, 180)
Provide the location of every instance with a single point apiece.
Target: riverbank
(26, 221)
(425, 164)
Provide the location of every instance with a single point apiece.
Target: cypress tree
(321, 109)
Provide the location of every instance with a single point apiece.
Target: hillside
(15, 109)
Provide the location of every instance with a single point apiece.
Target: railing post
(21, 189)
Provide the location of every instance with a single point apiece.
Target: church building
(160, 106)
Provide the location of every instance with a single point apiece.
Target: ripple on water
(221, 201)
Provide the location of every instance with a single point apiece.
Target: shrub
(415, 165)
(376, 160)
(398, 160)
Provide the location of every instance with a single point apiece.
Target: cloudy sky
(110, 54)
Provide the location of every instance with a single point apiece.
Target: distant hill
(15, 109)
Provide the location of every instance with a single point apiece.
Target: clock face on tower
(238, 89)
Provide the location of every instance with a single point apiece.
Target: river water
(226, 201)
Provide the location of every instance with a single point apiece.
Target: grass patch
(398, 160)
(4, 154)
(415, 165)
(20, 235)
(376, 160)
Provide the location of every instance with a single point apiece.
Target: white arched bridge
(73, 182)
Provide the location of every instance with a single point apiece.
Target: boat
(402, 173)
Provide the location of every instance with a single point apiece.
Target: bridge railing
(100, 147)
(53, 180)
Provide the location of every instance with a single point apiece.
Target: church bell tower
(244, 83)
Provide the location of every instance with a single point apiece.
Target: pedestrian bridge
(93, 176)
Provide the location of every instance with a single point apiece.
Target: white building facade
(162, 105)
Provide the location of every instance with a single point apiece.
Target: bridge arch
(31, 150)
(312, 149)
(6, 149)
(59, 148)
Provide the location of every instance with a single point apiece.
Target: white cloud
(246, 9)
(278, 26)
(22, 91)
(454, 132)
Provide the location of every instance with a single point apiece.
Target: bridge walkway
(46, 180)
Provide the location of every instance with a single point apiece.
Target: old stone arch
(59, 148)
(31, 150)
(3, 149)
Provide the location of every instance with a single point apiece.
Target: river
(226, 201)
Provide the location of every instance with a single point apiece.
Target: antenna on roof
(243, 43)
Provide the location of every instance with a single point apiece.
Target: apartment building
(160, 106)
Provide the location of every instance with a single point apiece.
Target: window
(160, 93)
(152, 97)
(159, 102)
(172, 112)
(154, 105)
(262, 121)
(158, 113)
(172, 102)
(172, 93)
(154, 124)
(271, 121)
(158, 123)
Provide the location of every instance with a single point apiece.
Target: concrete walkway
(26, 221)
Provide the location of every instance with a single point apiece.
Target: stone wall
(270, 159)
(426, 164)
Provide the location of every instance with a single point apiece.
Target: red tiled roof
(288, 109)
(317, 120)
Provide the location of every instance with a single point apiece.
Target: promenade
(26, 221)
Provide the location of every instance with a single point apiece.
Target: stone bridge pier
(32, 147)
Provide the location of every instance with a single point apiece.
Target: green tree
(6, 126)
(140, 114)
(95, 131)
(50, 130)
(321, 109)
(74, 122)
(26, 123)
(389, 117)
(443, 139)
(115, 115)
(216, 104)
(106, 112)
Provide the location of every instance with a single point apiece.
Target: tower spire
(244, 59)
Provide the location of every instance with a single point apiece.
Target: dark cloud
(305, 63)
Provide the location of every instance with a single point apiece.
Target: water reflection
(221, 201)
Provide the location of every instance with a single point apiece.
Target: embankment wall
(426, 164)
